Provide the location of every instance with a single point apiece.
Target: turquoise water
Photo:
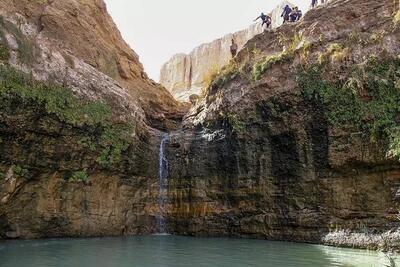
(175, 251)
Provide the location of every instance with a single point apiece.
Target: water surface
(175, 251)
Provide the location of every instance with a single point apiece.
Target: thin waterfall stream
(163, 186)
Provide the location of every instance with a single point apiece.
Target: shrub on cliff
(209, 77)
(368, 99)
(79, 176)
(296, 44)
(4, 50)
(112, 138)
(20, 171)
(220, 77)
(4, 53)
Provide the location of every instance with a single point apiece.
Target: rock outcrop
(184, 75)
(83, 30)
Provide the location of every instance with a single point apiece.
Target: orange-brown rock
(84, 29)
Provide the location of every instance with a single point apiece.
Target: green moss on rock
(4, 53)
(369, 98)
(104, 135)
(79, 176)
(20, 171)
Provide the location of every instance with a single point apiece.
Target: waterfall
(163, 186)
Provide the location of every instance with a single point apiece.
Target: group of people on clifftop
(289, 14)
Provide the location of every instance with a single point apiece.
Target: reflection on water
(173, 251)
(353, 257)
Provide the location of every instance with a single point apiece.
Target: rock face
(258, 159)
(55, 144)
(96, 42)
(184, 75)
(258, 156)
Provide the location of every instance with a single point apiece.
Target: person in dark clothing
(299, 14)
(286, 13)
(314, 3)
(234, 48)
(265, 20)
(295, 15)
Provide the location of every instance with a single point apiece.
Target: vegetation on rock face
(335, 53)
(286, 55)
(20, 171)
(220, 77)
(396, 19)
(4, 53)
(261, 67)
(55, 99)
(235, 123)
(368, 99)
(79, 176)
(4, 50)
(209, 77)
(26, 47)
(113, 138)
(228, 73)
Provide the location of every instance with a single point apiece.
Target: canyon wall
(79, 124)
(264, 155)
(184, 75)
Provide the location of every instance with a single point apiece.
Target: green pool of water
(176, 251)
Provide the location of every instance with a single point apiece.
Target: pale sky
(158, 29)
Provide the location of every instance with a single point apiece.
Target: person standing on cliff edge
(314, 3)
(285, 14)
(234, 48)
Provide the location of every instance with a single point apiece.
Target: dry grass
(341, 56)
(209, 77)
(396, 18)
(335, 53)
(295, 44)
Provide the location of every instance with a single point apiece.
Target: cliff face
(296, 139)
(291, 143)
(76, 108)
(83, 30)
(184, 75)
